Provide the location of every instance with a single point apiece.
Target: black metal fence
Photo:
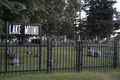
(50, 55)
(57, 56)
(99, 55)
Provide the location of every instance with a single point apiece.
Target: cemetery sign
(23, 29)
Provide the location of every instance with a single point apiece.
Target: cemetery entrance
(25, 50)
(30, 52)
(20, 52)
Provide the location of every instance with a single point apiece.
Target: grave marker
(16, 59)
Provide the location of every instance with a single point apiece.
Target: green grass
(60, 76)
(30, 62)
(111, 74)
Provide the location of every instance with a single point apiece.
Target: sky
(117, 5)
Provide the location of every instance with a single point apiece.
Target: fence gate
(95, 56)
(62, 56)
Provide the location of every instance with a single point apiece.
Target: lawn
(60, 55)
(84, 75)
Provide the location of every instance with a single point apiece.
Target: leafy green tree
(65, 22)
(117, 20)
(1, 22)
(100, 18)
(46, 12)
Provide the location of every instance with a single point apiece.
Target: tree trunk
(98, 37)
(107, 39)
(23, 41)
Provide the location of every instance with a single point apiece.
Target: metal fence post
(79, 58)
(40, 48)
(51, 57)
(76, 51)
(47, 55)
(115, 55)
(6, 48)
(81, 54)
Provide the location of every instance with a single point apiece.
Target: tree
(46, 12)
(100, 18)
(1, 22)
(19, 11)
(117, 20)
(67, 18)
(9, 12)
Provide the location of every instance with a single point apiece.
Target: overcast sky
(117, 5)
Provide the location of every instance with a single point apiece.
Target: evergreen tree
(99, 18)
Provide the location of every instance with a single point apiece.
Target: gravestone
(37, 55)
(29, 52)
(55, 44)
(90, 53)
(118, 57)
(109, 52)
(65, 38)
(51, 61)
(9, 52)
(73, 43)
(97, 53)
(106, 56)
(55, 40)
(16, 59)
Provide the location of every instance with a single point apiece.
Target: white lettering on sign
(28, 29)
(32, 30)
(15, 30)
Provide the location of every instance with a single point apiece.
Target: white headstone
(55, 40)
(16, 59)
(51, 61)
(44, 37)
(97, 53)
(90, 53)
(96, 38)
(29, 52)
(16, 62)
(65, 38)
(73, 43)
(37, 55)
